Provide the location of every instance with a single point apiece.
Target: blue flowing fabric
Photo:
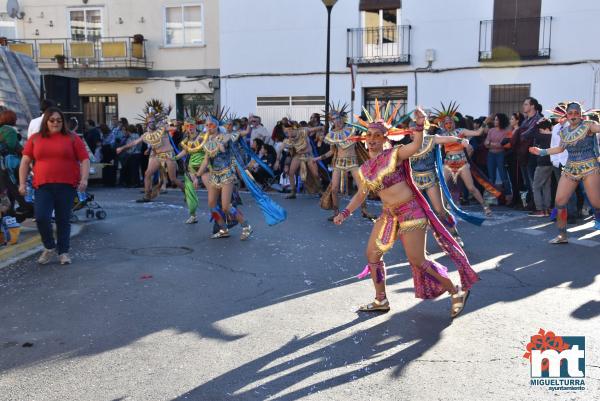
(455, 209)
(272, 212)
(313, 146)
(255, 157)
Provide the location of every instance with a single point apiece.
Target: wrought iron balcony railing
(515, 39)
(105, 52)
(384, 45)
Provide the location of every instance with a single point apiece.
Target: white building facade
(485, 54)
(123, 52)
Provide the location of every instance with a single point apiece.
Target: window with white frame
(8, 28)
(85, 23)
(184, 25)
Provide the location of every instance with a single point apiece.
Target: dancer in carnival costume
(406, 212)
(298, 143)
(223, 163)
(348, 155)
(579, 139)
(456, 163)
(191, 149)
(156, 116)
(428, 181)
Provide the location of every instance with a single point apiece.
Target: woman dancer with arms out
(456, 163)
(298, 143)
(346, 159)
(219, 162)
(162, 155)
(405, 211)
(579, 139)
(426, 178)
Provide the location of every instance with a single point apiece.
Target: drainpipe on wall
(421, 69)
(596, 84)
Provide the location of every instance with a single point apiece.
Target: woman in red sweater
(61, 164)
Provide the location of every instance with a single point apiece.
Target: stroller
(85, 200)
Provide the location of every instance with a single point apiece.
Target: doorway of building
(191, 104)
(100, 108)
(394, 93)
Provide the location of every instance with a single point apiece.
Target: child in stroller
(85, 200)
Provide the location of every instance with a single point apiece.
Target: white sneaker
(46, 256)
(222, 233)
(64, 259)
(191, 220)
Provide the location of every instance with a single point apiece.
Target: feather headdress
(155, 113)
(446, 112)
(337, 111)
(384, 119)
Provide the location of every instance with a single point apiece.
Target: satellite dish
(13, 10)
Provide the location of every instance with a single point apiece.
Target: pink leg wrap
(379, 268)
(427, 286)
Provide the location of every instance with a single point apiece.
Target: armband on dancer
(345, 213)
(543, 152)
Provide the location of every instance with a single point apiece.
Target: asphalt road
(152, 309)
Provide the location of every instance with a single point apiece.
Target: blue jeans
(495, 163)
(58, 198)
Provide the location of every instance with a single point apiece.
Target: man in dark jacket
(521, 141)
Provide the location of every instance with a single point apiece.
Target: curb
(31, 246)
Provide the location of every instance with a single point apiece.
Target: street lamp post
(329, 5)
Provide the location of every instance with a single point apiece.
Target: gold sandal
(559, 239)
(246, 232)
(376, 306)
(459, 300)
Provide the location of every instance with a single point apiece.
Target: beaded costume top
(453, 147)
(298, 141)
(340, 138)
(383, 171)
(154, 139)
(218, 159)
(192, 146)
(424, 159)
(578, 142)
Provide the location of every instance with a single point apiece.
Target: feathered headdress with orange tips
(446, 112)
(384, 120)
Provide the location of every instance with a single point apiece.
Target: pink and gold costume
(384, 171)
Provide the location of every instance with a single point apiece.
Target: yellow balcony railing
(106, 52)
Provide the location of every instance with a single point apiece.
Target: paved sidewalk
(29, 243)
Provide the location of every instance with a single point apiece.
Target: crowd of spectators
(528, 182)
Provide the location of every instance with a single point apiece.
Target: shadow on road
(104, 304)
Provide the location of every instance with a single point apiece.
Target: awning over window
(372, 5)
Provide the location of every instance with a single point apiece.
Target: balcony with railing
(515, 39)
(106, 56)
(376, 46)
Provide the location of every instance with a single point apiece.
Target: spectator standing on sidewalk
(522, 140)
(495, 156)
(36, 123)
(61, 165)
(117, 130)
(511, 161)
(542, 178)
(92, 136)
